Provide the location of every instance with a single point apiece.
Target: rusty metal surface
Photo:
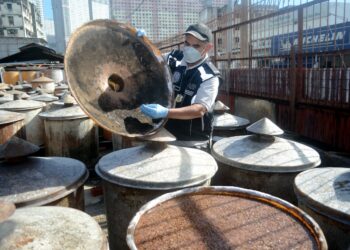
(6, 210)
(111, 72)
(74, 137)
(7, 131)
(122, 203)
(34, 126)
(337, 233)
(298, 215)
(53, 228)
(40, 180)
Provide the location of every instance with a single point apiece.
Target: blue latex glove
(155, 111)
(140, 32)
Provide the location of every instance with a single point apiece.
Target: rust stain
(24, 241)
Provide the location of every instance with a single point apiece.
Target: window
(237, 39)
(12, 31)
(9, 6)
(11, 20)
(0, 21)
(219, 41)
(1, 32)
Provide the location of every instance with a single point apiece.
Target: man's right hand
(155, 111)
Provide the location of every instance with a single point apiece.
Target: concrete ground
(94, 204)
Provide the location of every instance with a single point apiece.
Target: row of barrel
(142, 207)
(26, 73)
(39, 116)
(48, 192)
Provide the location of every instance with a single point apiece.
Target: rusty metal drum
(38, 181)
(134, 176)
(54, 228)
(70, 132)
(324, 193)
(221, 217)
(34, 126)
(267, 164)
(11, 123)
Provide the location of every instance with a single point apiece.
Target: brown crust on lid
(220, 222)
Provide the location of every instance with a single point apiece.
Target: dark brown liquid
(220, 222)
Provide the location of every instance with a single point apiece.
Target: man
(196, 83)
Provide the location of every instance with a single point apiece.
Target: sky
(47, 9)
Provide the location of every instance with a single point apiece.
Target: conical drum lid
(19, 105)
(69, 100)
(162, 135)
(61, 86)
(16, 147)
(42, 79)
(25, 96)
(265, 127)
(14, 92)
(219, 107)
(9, 117)
(228, 121)
(112, 72)
(66, 113)
(44, 98)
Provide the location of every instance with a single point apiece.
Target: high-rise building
(70, 14)
(99, 9)
(20, 18)
(39, 6)
(49, 28)
(160, 19)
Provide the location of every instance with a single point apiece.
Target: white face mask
(191, 55)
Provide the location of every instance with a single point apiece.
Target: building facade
(160, 19)
(20, 18)
(49, 28)
(99, 9)
(70, 14)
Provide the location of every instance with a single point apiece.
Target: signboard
(326, 38)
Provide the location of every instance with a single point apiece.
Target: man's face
(199, 45)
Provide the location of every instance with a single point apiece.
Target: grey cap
(200, 31)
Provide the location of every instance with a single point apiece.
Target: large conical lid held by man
(265, 127)
(111, 72)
